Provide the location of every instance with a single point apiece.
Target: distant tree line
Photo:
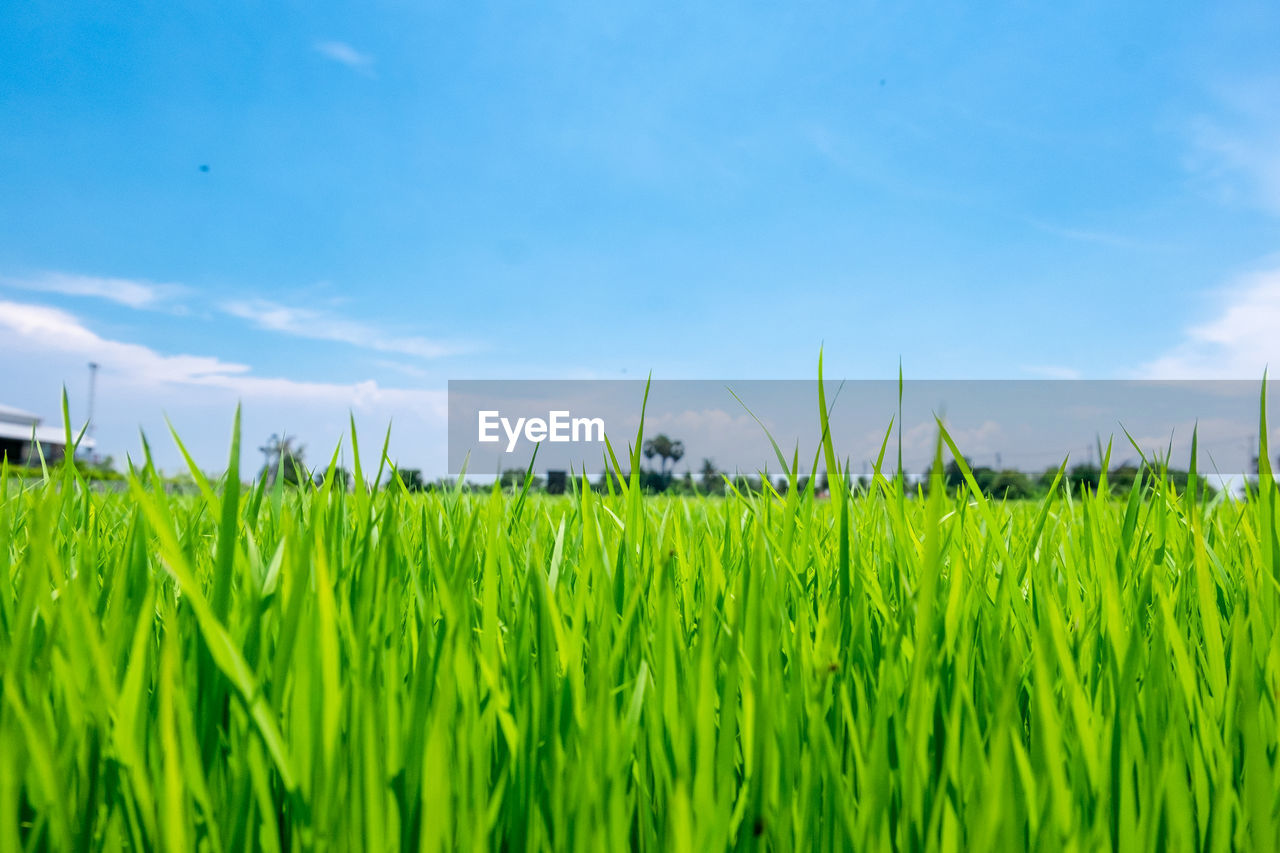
(284, 458)
(1084, 477)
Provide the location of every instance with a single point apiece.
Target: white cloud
(138, 385)
(344, 53)
(320, 326)
(1238, 342)
(135, 293)
(983, 438)
(1213, 432)
(264, 314)
(1237, 150)
(46, 328)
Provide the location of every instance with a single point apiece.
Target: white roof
(10, 415)
(44, 434)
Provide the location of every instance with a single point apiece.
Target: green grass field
(265, 668)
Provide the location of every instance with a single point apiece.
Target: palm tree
(666, 449)
(649, 449)
(676, 453)
(659, 446)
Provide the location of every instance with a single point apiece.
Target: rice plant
(279, 668)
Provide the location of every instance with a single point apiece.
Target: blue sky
(399, 194)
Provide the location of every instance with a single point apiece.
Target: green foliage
(99, 472)
(513, 478)
(1006, 484)
(410, 478)
(710, 480)
(1010, 485)
(285, 460)
(379, 669)
(1084, 477)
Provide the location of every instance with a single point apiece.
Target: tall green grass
(282, 669)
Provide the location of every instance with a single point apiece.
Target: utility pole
(93, 387)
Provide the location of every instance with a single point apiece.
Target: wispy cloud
(1101, 238)
(1238, 149)
(135, 293)
(322, 326)
(138, 383)
(400, 367)
(340, 51)
(1238, 342)
(43, 327)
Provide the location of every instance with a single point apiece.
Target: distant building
(21, 432)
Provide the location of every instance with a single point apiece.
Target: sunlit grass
(285, 668)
